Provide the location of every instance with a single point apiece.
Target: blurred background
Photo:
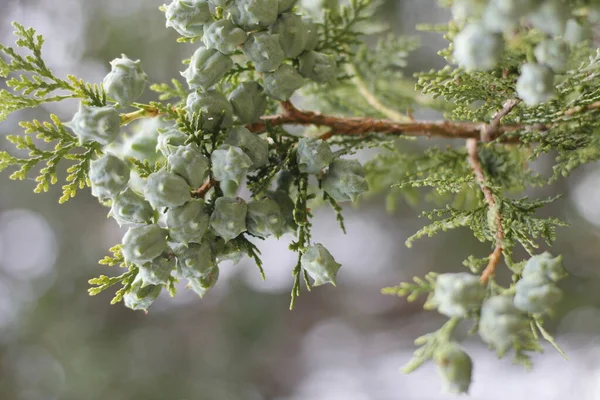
(241, 341)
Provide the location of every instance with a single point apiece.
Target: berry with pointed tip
(142, 142)
(207, 67)
(264, 218)
(312, 36)
(166, 189)
(254, 147)
(458, 294)
(545, 264)
(501, 323)
(95, 124)
(320, 265)
(108, 175)
(345, 180)
(535, 293)
(157, 271)
(286, 204)
(224, 36)
(230, 163)
(144, 243)
(318, 67)
(194, 261)
(188, 17)
(503, 15)
(249, 102)
(313, 155)
(285, 5)
(189, 163)
(213, 108)
(128, 207)
(550, 17)
(229, 251)
(126, 81)
(576, 32)
(536, 84)
(455, 367)
(202, 285)
(283, 82)
(169, 140)
(476, 48)
(228, 219)
(141, 297)
(292, 34)
(553, 53)
(264, 50)
(253, 14)
(187, 223)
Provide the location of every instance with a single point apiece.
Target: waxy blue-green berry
(455, 367)
(140, 296)
(187, 223)
(188, 17)
(213, 108)
(129, 207)
(207, 67)
(553, 53)
(95, 124)
(253, 14)
(203, 284)
(264, 218)
(157, 271)
(169, 140)
(345, 180)
(550, 17)
(142, 142)
(313, 155)
(536, 84)
(576, 32)
(292, 34)
(228, 219)
(264, 50)
(546, 265)
(126, 81)
(536, 294)
(230, 163)
(476, 48)
(166, 189)
(283, 82)
(223, 35)
(109, 175)
(144, 243)
(286, 204)
(249, 102)
(229, 251)
(285, 5)
(318, 67)
(458, 294)
(255, 148)
(194, 261)
(320, 265)
(501, 324)
(189, 163)
(312, 36)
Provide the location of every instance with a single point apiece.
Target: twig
(202, 190)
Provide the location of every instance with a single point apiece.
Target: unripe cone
(313, 155)
(141, 297)
(285, 5)
(195, 260)
(283, 82)
(253, 14)
(229, 251)
(126, 82)
(475, 48)
(286, 204)
(144, 243)
(312, 36)
(129, 207)
(96, 124)
(545, 264)
(224, 36)
(318, 67)
(264, 50)
(554, 53)
(166, 189)
(189, 163)
(458, 294)
(213, 107)
(255, 148)
(142, 142)
(169, 140)
(207, 67)
(264, 218)
(550, 17)
(157, 271)
(249, 102)
(108, 175)
(205, 283)
(188, 223)
(536, 84)
(454, 366)
(188, 17)
(228, 219)
(320, 265)
(501, 323)
(292, 34)
(230, 163)
(345, 180)
(536, 294)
